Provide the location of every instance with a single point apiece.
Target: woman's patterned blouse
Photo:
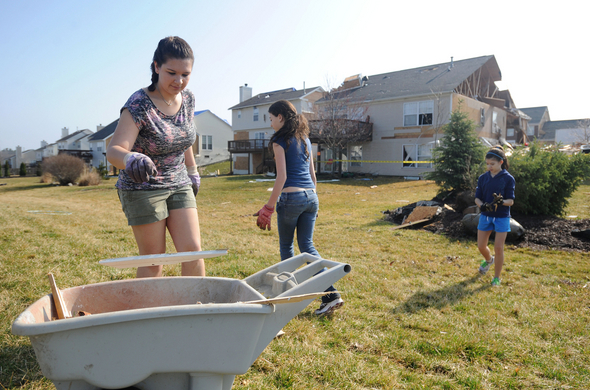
(162, 138)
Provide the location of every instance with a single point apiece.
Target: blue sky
(74, 63)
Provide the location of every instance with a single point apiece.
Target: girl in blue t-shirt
(294, 189)
(494, 196)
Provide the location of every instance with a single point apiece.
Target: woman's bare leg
(151, 240)
(183, 225)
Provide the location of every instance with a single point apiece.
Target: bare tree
(338, 120)
(582, 133)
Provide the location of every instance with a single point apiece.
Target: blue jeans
(298, 211)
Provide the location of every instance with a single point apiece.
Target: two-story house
(539, 116)
(409, 108)
(251, 125)
(213, 135)
(98, 143)
(75, 144)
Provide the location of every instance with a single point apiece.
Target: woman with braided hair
(152, 146)
(294, 191)
(494, 196)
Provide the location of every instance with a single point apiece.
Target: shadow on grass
(9, 188)
(441, 298)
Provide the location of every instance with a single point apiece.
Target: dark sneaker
(329, 307)
(485, 266)
(496, 282)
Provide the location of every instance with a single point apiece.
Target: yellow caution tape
(370, 161)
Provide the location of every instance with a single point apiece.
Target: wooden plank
(294, 298)
(405, 225)
(60, 306)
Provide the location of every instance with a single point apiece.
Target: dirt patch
(541, 232)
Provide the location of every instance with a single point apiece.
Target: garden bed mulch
(542, 232)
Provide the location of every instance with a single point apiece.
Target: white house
(251, 125)
(98, 143)
(213, 135)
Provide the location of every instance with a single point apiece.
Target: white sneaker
(329, 307)
(485, 266)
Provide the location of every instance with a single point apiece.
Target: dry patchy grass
(417, 315)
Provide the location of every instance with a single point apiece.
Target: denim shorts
(499, 225)
(149, 206)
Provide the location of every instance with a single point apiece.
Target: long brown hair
(497, 153)
(295, 125)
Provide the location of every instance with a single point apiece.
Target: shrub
(22, 171)
(459, 160)
(6, 169)
(46, 178)
(546, 178)
(89, 178)
(102, 170)
(64, 168)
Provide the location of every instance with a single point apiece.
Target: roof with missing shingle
(444, 77)
(275, 96)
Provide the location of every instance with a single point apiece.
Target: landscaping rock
(470, 222)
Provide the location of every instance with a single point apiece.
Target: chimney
(43, 143)
(65, 132)
(99, 128)
(245, 93)
(19, 156)
(452, 63)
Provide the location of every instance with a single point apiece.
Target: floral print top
(163, 138)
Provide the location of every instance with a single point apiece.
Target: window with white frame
(418, 113)
(510, 132)
(355, 153)
(99, 148)
(409, 156)
(425, 154)
(206, 142)
(255, 116)
(260, 136)
(413, 153)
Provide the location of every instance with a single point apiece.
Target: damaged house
(407, 110)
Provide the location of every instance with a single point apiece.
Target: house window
(206, 142)
(239, 114)
(409, 155)
(530, 130)
(509, 132)
(355, 155)
(482, 117)
(259, 137)
(495, 127)
(99, 148)
(413, 153)
(255, 117)
(418, 113)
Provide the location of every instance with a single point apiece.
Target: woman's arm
(312, 170)
(123, 140)
(281, 165)
(189, 157)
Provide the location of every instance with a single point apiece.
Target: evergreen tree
(459, 160)
(6, 169)
(22, 169)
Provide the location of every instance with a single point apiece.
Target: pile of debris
(458, 220)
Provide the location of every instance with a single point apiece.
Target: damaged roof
(444, 77)
(550, 127)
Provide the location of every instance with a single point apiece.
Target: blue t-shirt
(297, 162)
(503, 183)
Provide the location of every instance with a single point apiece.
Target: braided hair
(295, 125)
(497, 153)
(169, 47)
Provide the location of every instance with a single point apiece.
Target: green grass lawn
(417, 315)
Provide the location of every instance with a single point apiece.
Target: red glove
(264, 215)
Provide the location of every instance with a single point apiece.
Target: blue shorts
(499, 225)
